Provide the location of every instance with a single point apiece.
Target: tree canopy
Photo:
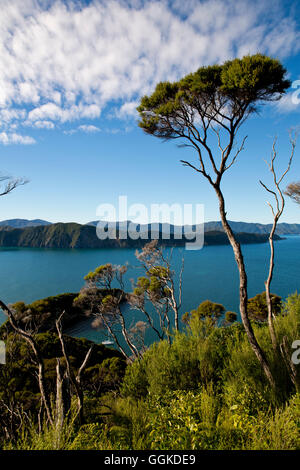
(206, 309)
(218, 94)
(257, 306)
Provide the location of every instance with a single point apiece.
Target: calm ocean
(29, 274)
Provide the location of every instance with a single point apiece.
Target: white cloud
(13, 138)
(44, 124)
(65, 61)
(128, 110)
(8, 115)
(58, 113)
(70, 131)
(88, 128)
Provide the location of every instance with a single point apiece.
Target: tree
(293, 191)
(8, 184)
(29, 337)
(55, 415)
(277, 212)
(158, 287)
(107, 309)
(206, 309)
(277, 209)
(258, 306)
(230, 317)
(215, 101)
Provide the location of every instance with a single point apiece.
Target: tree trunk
(243, 289)
(59, 408)
(268, 294)
(31, 341)
(175, 309)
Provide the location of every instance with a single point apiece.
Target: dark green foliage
(204, 391)
(253, 78)
(154, 283)
(227, 403)
(207, 353)
(90, 297)
(78, 236)
(76, 347)
(162, 368)
(215, 237)
(206, 309)
(41, 314)
(104, 376)
(105, 271)
(234, 89)
(18, 375)
(230, 317)
(194, 358)
(257, 306)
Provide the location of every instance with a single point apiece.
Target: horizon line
(145, 223)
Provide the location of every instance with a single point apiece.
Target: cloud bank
(69, 61)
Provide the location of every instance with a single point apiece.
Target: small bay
(29, 274)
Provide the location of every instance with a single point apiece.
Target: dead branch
(75, 380)
(277, 212)
(31, 341)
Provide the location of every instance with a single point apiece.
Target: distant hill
(72, 235)
(250, 227)
(20, 223)
(238, 227)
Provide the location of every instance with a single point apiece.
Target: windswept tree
(293, 191)
(214, 102)
(158, 288)
(155, 295)
(104, 302)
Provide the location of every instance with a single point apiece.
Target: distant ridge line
(238, 227)
(22, 223)
(283, 228)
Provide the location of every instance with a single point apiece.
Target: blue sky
(72, 74)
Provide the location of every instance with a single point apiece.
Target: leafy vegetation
(257, 306)
(205, 390)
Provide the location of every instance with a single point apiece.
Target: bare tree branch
(75, 380)
(277, 212)
(10, 184)
(31, 341)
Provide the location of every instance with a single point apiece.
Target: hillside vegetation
(72, 235)
(205, 391)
